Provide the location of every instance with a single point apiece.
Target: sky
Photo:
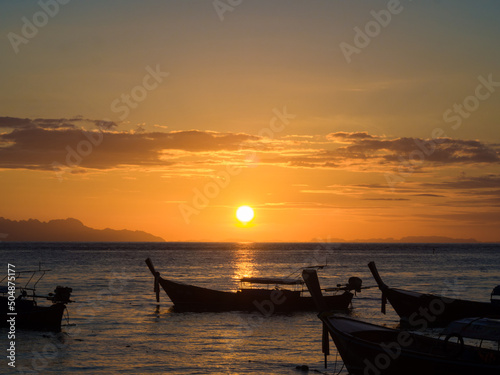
(331, 119)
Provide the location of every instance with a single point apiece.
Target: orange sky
(166, 116)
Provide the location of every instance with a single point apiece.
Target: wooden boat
(276, 297)
(19, 306)
(372, 349)
(421, 310)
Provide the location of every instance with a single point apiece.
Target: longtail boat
(421, 310)
(279, 295)
(20, 308)
(372, 349)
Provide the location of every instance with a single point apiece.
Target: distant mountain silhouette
(437, 239)
(410, 239)
(67, 230)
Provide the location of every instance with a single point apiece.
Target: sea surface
(116, 326)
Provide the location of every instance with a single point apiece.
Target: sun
(244, 214)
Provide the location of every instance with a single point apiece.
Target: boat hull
(421, 310)
(370, 349)
(33, 317)
(193, 298)
(424, 310)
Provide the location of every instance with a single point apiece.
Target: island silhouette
(70, 230)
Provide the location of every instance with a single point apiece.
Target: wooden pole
(157, 286)
(310, 277)
(157, 278)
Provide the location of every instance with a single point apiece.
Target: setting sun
(244, 214)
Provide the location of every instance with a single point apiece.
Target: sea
(115, 325)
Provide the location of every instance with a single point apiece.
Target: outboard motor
(495, 296)
(61, 295)
(354, 283)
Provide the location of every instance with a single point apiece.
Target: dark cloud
(444, 150)
(16, 123)
(365, 150)
(490, 181)
(104, 124)
(472, 218)
(59, 123)
(473, 191)
(343, 136)
(429, 195)
(38, 143)
(35, 144)
(386, 199)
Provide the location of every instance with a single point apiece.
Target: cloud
(429, 195)
(351, 136)
(60, 123)
(41, 143)
(443, 150)
(489, 181)
(368, 152)
(38, 144)
(386, 199)
(470, 191)
(472, 218)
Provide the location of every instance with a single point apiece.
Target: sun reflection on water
(244, 260)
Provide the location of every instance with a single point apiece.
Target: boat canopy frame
(34, 280)
(271, 280)
(475, 328)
